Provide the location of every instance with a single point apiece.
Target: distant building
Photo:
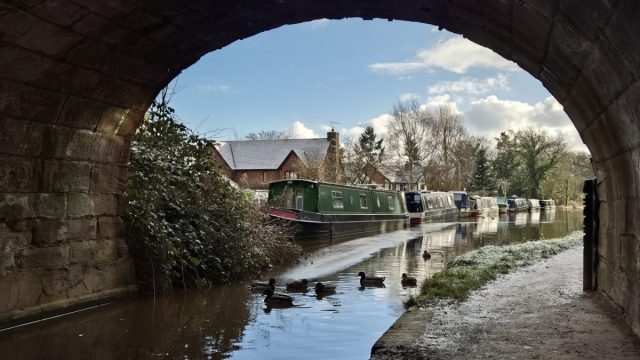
(388, 177)
(399, 179)
(255, 163)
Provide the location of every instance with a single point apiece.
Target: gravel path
(539, 312)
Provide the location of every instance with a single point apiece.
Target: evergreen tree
(483, 180)
(539, 154)
(370, 152)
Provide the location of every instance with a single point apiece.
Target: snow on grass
(476, 268)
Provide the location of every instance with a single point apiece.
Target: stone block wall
(76, 77)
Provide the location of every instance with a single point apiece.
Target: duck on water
(370, 280)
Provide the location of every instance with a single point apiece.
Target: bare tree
(312, 167)
(410, 134)
(267, 135)
(448, 134)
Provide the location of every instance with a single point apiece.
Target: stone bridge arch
(77, 75)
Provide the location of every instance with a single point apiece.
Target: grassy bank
(476, 268)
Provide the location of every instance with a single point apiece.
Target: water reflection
(231, 321)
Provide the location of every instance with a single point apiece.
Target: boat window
(414, 203)
(390, 200)
(378, 201)
(430, 203)
(440, 203)
(337, 199)
(363, 201)
(299, 200)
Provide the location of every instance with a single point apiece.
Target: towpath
(539, 312)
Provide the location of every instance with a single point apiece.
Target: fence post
(591, 221)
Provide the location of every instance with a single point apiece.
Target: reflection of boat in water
(518, 218)
(442, 237)
(548, 216)
(430, 206)
(534, 217)
(323, 210)
(486, 226)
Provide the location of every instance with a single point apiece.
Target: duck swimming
(324, 289)
(299, 285)
(370, 280)
(426, 255)
(408, 281)
(262, 286)
(276, 299)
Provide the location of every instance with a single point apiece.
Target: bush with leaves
(185, 224)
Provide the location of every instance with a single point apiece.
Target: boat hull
(437, 215)
(309, 225)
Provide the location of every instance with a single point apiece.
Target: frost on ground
(537, 312)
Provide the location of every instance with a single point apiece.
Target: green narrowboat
(325, 210)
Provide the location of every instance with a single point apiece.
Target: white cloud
(490, 116)
(456, 55)
(379, 123)
(216, 88)
(298, 130)
(470, 85)
(409, 97)
(434, 102)
(319, 24)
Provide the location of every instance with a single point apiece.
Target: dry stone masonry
(77, 75)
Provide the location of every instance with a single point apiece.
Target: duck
(370, 280)
(262, 286)
(323, 289)
(298, 285)
(408, 281)
(426, 255)
(276, 299)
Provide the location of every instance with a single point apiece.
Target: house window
(337, 199)
(363, 201)
(390, 200)
(290, 175)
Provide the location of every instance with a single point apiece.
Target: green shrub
(185, 224)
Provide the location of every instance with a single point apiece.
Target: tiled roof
(269, 154)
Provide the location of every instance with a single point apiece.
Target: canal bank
(538, 312)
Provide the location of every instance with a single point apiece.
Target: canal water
(232, 322)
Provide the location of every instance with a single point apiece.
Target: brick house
(255, 163)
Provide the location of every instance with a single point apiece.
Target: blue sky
(301, 78)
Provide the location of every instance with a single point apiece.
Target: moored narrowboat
(483, 206)
(516, 204)
(534, 204)
(461, 199)
(502, 204)
(325, 210)
(547, 204)
(430, 206)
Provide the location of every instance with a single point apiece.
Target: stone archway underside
(77, 75)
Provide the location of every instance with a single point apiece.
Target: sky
(304, 79)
